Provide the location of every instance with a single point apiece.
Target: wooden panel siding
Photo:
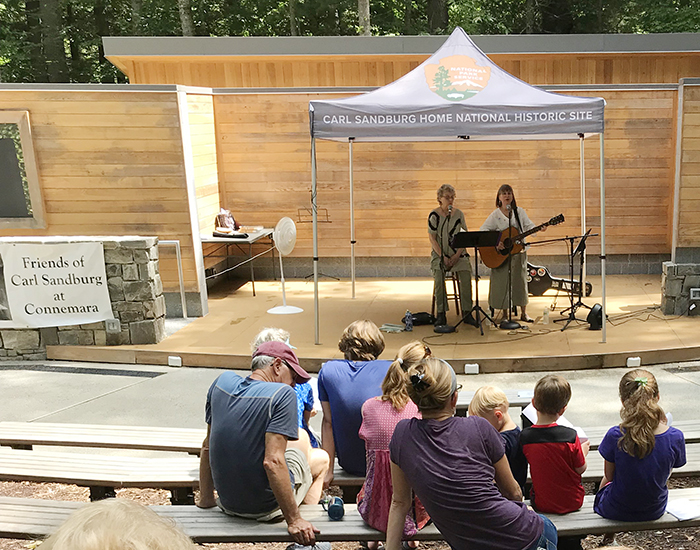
(111, 163)
(264, 156)
(378, 70)
(689, 226)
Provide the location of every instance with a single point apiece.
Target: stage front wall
(264, 166)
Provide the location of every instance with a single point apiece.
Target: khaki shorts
(299, 466)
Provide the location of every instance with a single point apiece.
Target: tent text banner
(49, 285)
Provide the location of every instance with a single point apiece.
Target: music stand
(475, 239)
(578, 303)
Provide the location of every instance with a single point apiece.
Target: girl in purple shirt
(451, 464)
(639, 454)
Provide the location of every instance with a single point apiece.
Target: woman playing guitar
(508, 213)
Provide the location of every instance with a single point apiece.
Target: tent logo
(457, 77)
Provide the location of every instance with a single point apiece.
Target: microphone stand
(509, 324)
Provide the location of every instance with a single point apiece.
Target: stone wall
(676, 282)
(136, 293)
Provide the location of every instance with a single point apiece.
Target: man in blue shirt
(260, 463)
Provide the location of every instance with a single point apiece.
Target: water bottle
(335, 508)
(545, 316)
(408, 319)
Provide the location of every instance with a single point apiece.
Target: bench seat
(34, 518)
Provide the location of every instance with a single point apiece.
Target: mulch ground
(671, 539)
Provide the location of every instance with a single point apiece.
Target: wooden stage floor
(222, 338)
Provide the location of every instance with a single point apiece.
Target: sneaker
(440, 319)
(318, 546)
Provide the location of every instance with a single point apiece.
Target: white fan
(285, 237)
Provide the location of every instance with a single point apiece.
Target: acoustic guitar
(512, 241)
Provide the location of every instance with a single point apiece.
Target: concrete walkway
(55, 391)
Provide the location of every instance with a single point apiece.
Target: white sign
(49, 285)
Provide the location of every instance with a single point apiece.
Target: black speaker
(595, 317)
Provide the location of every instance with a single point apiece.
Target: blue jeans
(548, 540)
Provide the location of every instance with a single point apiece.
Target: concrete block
(147, 271)
(131, 316)
(674, 287)
(691, 281)
(68, 338)
(118, 338)
(130, 272)
(141, 256)
(668, 305)
(668, 268)
(142, 243)
(138, 291)
(688, 269)
(153, 253)
(158, 285)
(113, 270)
(150, 331)
(115, 285)
(100, 337)
(15, 339)
(69, 327)
(99, 325)
(682, 305)
(48, 336)
(119, 256)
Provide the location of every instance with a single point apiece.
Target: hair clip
(399, 361)
(641, 381)
(418, 383)
(427, 351)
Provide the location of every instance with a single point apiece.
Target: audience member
(556, 456)
(343, 387)
(379, 418)
(254, 448)
(639, 454)
(305, 396)
(117, 524)
(492, 404)
(451, 464)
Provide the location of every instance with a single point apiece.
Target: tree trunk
(408, 18)
(185, 17)
(76, 57)
(52, 40)
(31, 11)
(293, 29)
(530, 16)
(437, 16)
(136, 17)
(364, 20)
(102, 26)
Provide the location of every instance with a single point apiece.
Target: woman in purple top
(451, 464)
(639, 454)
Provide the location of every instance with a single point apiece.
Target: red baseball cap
(280, 350)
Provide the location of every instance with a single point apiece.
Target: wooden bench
(690, 429)
(34, 519)
(103, 473)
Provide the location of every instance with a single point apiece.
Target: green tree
(442, 79)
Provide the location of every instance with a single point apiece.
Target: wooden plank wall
(206, 177)
(367, 70)
(110, 163)
(689, 226)
(264, 155)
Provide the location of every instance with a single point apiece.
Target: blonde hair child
(491, 403)
(639, 454)
(380, 415)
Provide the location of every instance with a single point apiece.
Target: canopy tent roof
(456, 94)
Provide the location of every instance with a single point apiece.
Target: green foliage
(84, 22)
(11, 131)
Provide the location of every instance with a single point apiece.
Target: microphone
(510, 212)
(507, 207)
(449, 210)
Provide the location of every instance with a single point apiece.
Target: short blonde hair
(269, 334)
(117, 524)
(361, 341)
(446, 189)
(487, 399)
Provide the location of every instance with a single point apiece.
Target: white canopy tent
(457, 94)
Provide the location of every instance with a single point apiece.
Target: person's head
(361, 341)
(490, 403)
(431, 385)
(280, 362)
(640, 412)
(506, 195)
(117, 524)
(394, 383)
(552, 394)
(446, 195)
(269, 334)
